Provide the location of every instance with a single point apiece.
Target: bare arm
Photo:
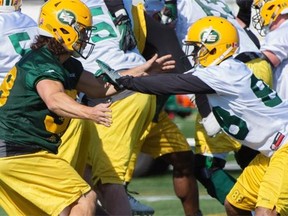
(272, 57)
(54, 96)
(94, 87)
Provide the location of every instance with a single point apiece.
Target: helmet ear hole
(64, 31)
(213, 51)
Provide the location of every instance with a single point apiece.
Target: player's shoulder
(16, 20)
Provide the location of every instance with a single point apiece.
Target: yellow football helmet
(213, 39)
(69, 22)
(10, 5)
(267, 11)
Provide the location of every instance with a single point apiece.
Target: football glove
(169, 12)
(211, 125)
(108, 74)
(123, 23)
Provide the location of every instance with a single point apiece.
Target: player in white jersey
(189, 11)
(271, 21)
(245, 108)
(17, 33)
(132, 127)
(210, 154)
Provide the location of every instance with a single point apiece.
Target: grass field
(157, 192)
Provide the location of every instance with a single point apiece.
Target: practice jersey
(244, 106)
(276, 41)
(17, 33)
(24, 117)
(106, 38)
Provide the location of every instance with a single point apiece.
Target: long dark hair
(52, 44)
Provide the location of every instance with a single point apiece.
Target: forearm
(164, 84)
(63, 105)
(94, 87)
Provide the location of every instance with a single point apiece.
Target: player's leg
(242, 198)
(42, 184)
(110, 153)
(210, 160)
(75, 143)
(209, 172)
(166, 140)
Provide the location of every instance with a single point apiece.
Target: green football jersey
(24, 117)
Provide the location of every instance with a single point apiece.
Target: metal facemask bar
(83, 41)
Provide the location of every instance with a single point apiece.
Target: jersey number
(236, 126)
(101, 30)
(16, 39)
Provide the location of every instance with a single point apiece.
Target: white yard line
(165, 198)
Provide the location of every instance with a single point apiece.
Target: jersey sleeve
(73, 66)
(165, 84)
(68, 73)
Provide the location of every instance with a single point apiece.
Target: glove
(108, 74)
(168, 14)
(123, 23)
(211, 125)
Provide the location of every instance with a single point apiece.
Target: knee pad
(209, 172)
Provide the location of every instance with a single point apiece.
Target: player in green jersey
(37, 101)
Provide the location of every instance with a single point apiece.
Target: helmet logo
(209, 36)
(66, 17)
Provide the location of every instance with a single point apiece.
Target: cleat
(139, 208)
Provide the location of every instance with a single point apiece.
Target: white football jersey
(17, 33)
(276, 41)
(245, 107)
(106, 38)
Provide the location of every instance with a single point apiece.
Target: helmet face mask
(213, 39)
(10, 5)
(69, 22)
(196, 50)
(83, 41)
(266, 12)
(257, 20)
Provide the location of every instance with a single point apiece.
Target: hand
(152, 66)
(108, 74)
(159, 65)
(168, 14)
(101, 114)
(123, 23)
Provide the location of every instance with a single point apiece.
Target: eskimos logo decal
(209, 37)
(66, 17)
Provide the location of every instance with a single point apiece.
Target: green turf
(2, 212)
(161, 186)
